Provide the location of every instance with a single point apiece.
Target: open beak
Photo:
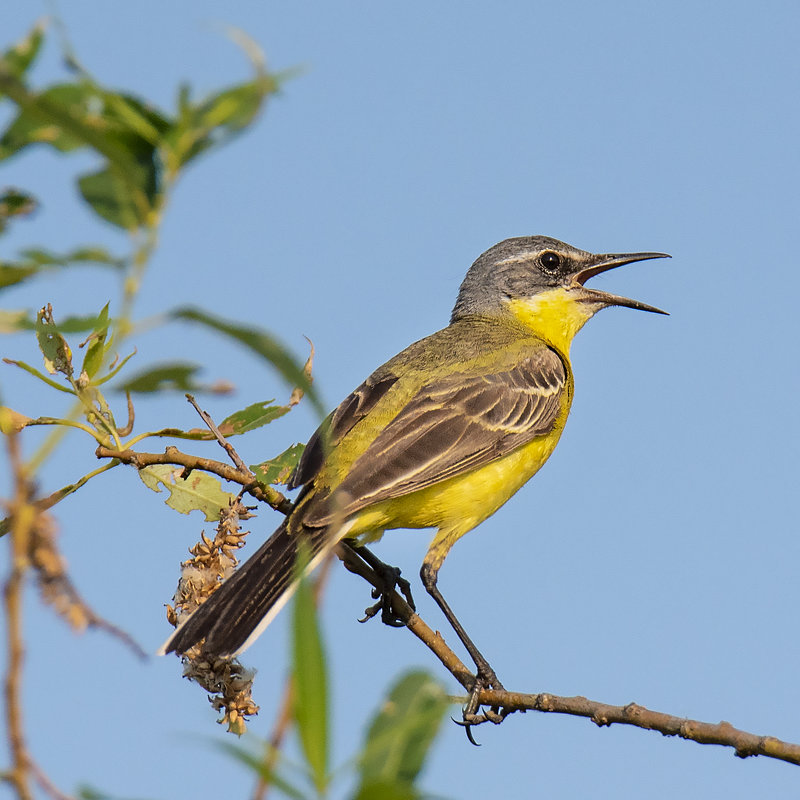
(611, 261)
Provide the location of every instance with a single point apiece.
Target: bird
(440, 437)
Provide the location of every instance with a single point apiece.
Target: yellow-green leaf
(97, 339)
(310, 685)
(13, 321)
(278, 469)
(178, 375)
(18, 58)
(15, 203)
(250, 418)
(110, 196)
(258, 764)
(12, 421)
(34, 125)
(90, 254)
(12, 274)
(35, 261)
(57, 353)
(402, 732)
(200, 491)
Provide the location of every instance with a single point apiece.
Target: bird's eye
(550, 261)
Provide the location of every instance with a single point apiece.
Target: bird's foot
(472, 714)
(391, 579)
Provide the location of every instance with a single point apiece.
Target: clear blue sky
(655, 558)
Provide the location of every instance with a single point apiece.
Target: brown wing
(454, 425)
(350, 411)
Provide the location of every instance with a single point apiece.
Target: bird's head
(542, 281)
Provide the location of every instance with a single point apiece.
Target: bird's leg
(485, 677)
(391, 579)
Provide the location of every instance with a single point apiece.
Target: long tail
(233, 617)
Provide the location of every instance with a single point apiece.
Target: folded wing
(453, 425)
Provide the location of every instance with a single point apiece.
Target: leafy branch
(602, 714)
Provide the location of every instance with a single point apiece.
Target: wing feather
(453, 425)
(350, 411)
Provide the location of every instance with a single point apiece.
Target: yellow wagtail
(438, 437)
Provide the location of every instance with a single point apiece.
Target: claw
(485, 679)
(390, 578)
(370, 612)
(388, 617)
(467, 726)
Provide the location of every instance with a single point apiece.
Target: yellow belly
(458, 504)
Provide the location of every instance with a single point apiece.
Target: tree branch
(743, 743)
(22, 518)
(245, 478)
(723, 733)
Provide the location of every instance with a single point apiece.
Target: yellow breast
(460, 503)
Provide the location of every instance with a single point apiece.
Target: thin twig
(46, 784)
(126, 431)
(56, 497)
(22, 516)
(94, 620)
(44, 503)
(229, 449)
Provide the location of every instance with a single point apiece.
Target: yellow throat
(554, 315)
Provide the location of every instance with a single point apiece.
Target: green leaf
(402, 732)
(140, 123)
(34, 125)
(121, 128)
(200, 491)
(217, 118)
(386, 790)
(252, 417)
(18, 58)
(89, 254)
(13, 321)
(221, 115)
(178, 376)
(257, 764)
(36, 374)
(57, 353)
(12, 274)
(36, 260)
(97, 340)
(310, 685)
(15, 203)
(259, 342)
(235, 108)
(108, 194)
(278, 469)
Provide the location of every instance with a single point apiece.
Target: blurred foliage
(396, 743)
(140, 151)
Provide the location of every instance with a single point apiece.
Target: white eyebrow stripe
(518, 258)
